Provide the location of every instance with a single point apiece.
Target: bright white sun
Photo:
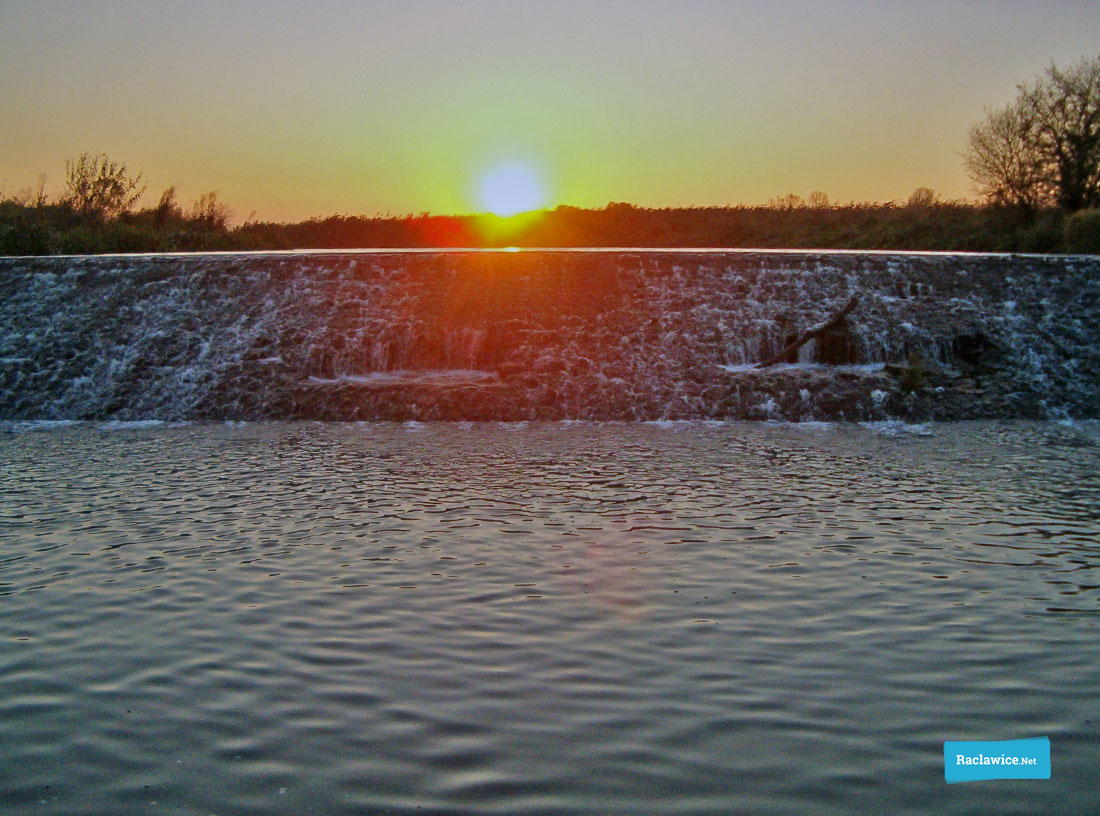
(509, 189)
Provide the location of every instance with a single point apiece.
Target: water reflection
(531, 618)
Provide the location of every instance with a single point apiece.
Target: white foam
(445, 376)
(897, 427)
(860, 368)
(37, 424)
(132, 424)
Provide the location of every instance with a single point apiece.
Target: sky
(292, 110)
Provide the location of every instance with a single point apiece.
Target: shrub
(1082, 232)
(1045, 235)
(83, 240)
(210, 213)
(100, 188)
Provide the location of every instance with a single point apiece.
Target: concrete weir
(548, 334)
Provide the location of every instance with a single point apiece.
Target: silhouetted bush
(1082, 232)
(1045, 235)
(210, 213)
(99, 188)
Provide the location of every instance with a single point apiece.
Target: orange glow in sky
(295, 109)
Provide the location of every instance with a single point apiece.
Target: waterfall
(623, 334)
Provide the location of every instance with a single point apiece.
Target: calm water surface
(612, 618)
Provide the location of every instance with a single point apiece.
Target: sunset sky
(293, 109)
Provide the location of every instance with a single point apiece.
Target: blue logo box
(1006, 759)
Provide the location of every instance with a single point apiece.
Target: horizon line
(512, 250)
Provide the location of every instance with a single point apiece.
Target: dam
(548, 335)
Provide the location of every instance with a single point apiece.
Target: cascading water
(547, 335)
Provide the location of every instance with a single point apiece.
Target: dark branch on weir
(811, 333)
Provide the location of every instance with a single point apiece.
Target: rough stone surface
(547, 335)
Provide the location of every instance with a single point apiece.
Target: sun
(509, 189)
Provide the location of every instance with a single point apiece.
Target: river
(536, 618)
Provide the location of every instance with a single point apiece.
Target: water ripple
(705, 618)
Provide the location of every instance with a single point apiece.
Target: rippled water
(558, 618)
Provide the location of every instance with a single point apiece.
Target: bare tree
(1066, 107)
(1044, 148)
(1003, 161)
(99, 187)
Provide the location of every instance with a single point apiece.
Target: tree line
(1034, 162)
